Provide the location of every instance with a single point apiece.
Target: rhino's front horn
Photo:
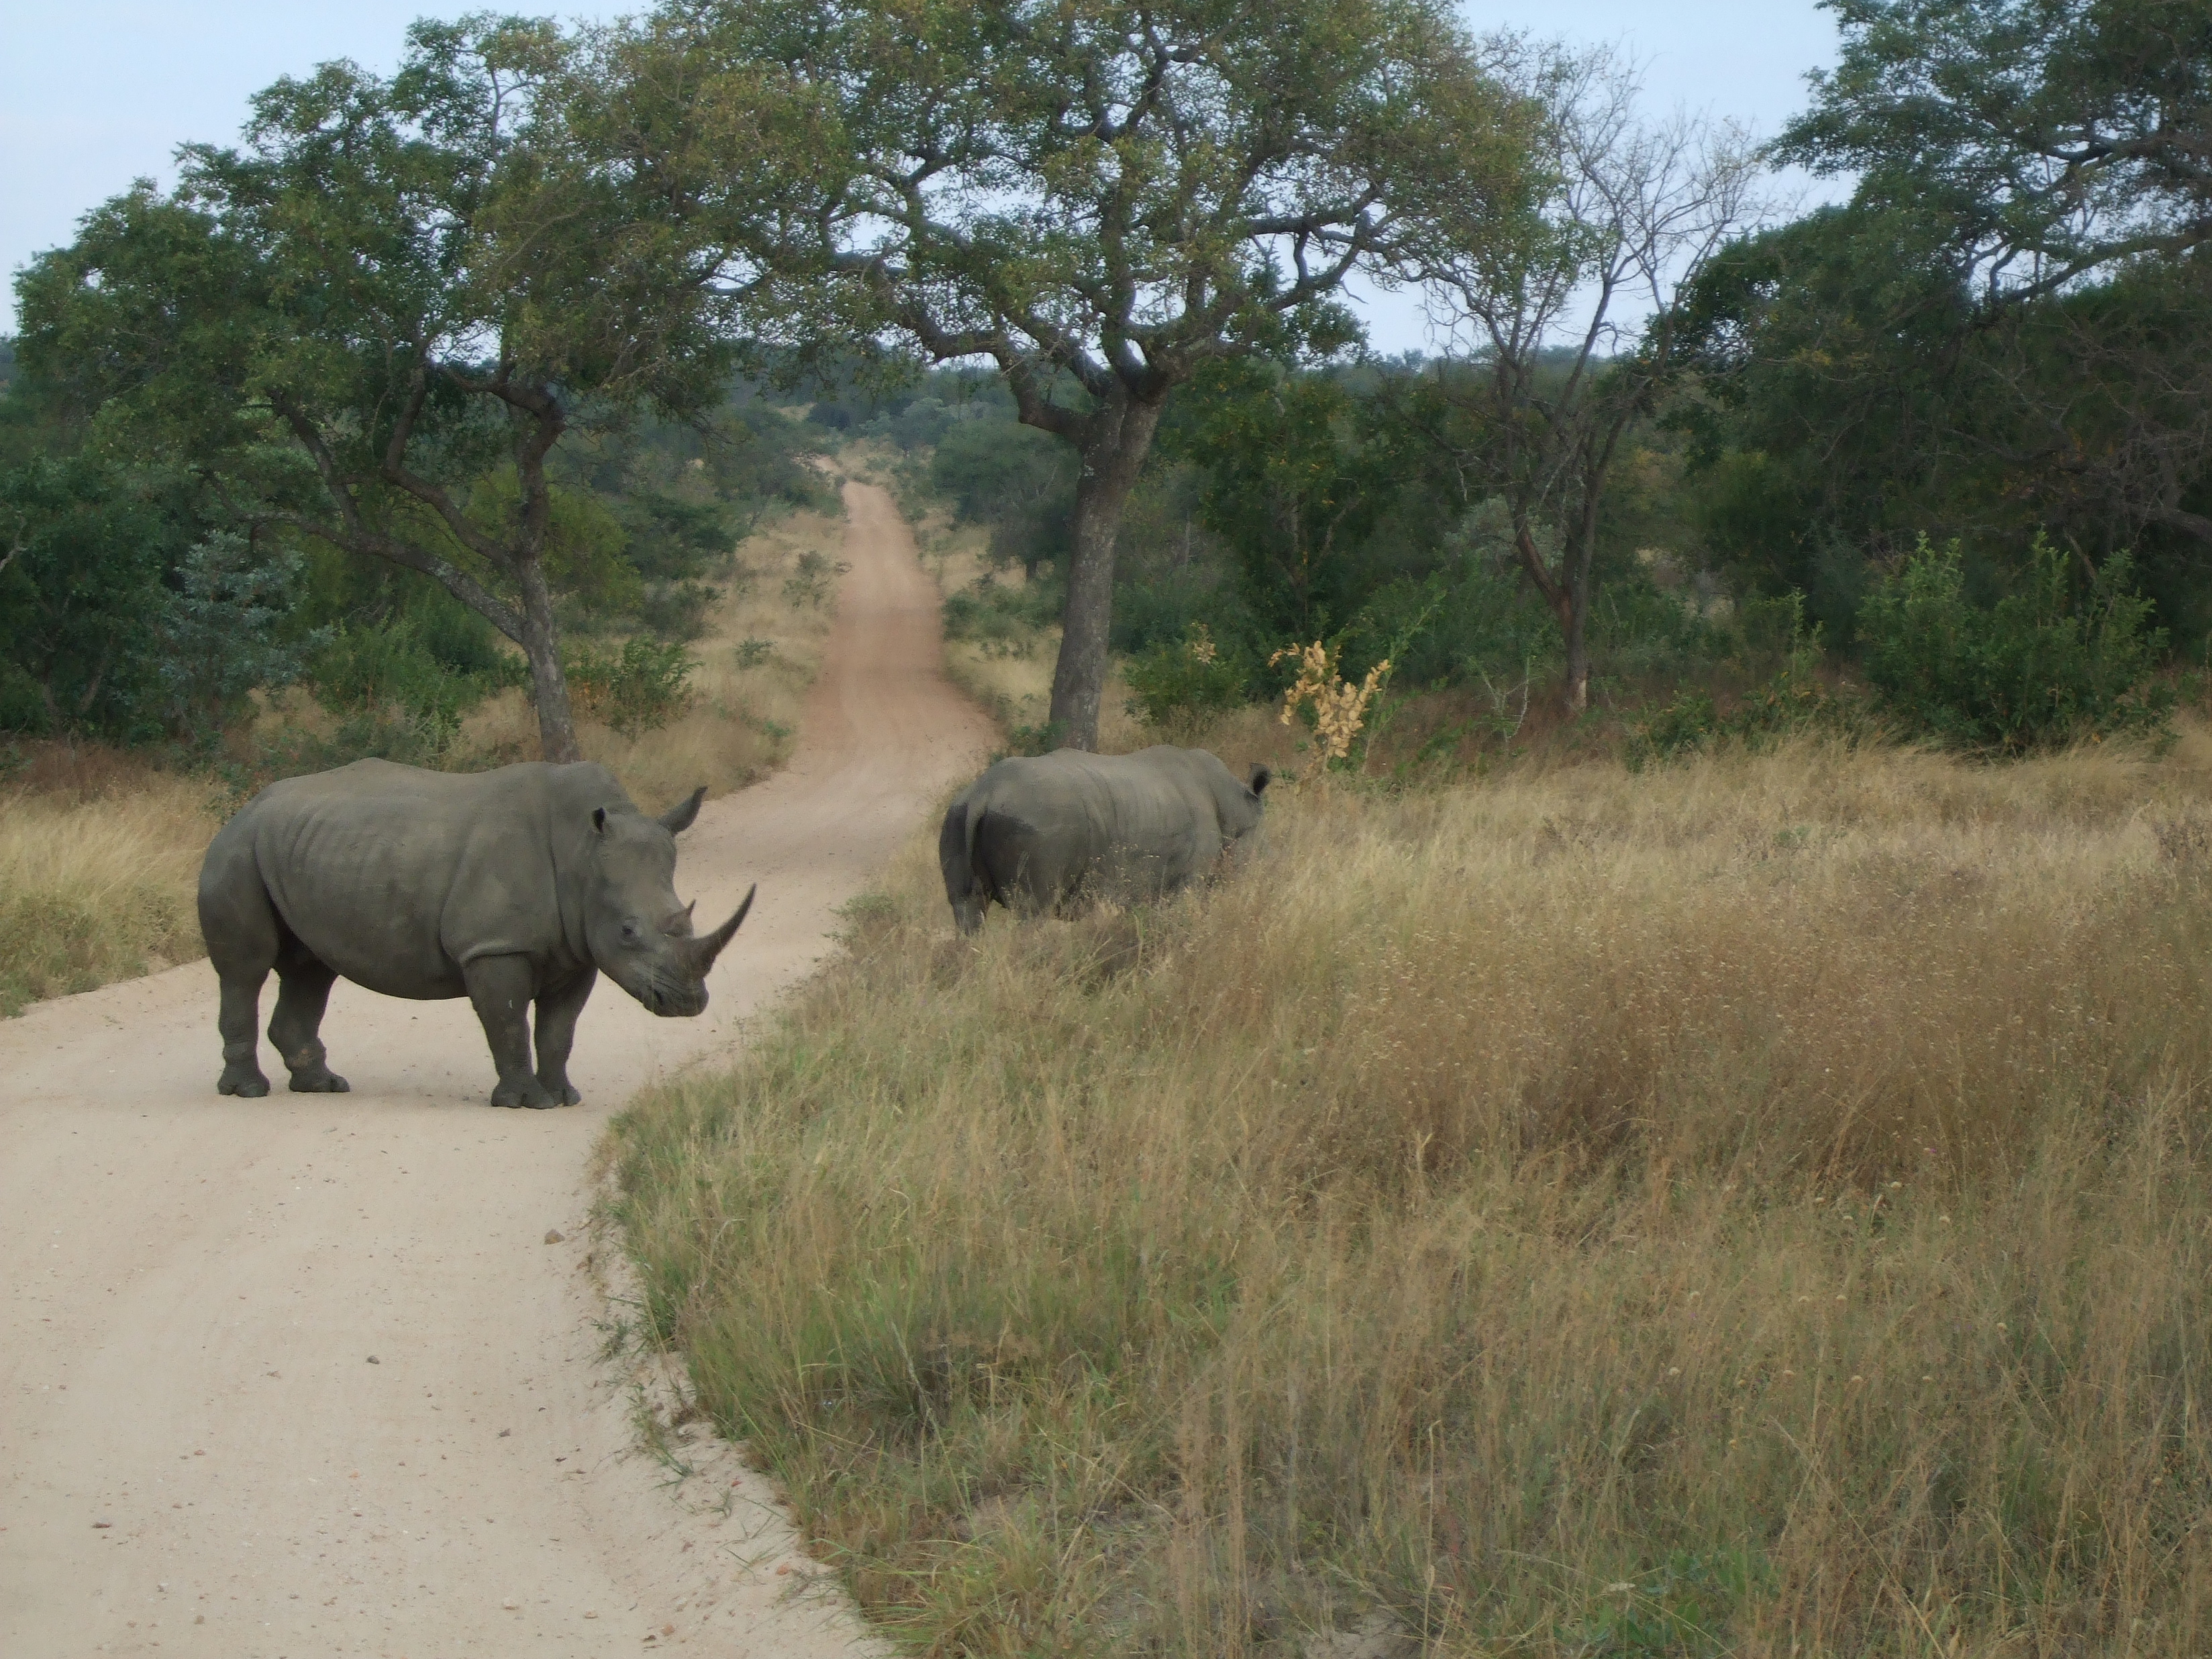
(702, 950)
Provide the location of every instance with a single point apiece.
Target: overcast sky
(96, 93)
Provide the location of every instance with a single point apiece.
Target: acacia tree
(2006, 330)
(2056, 136)
(371, 325)
(1567, 336)
(1099, 197)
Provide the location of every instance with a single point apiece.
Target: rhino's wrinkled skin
(509, 887)
(1034, 833)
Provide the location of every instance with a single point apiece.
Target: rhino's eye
(631, 933)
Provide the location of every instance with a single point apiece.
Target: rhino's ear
(600, 820)
(677, 818)
(1261, 775)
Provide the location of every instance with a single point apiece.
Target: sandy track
(197, 1455)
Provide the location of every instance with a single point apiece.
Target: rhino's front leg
(500, 988)
(558, 1009)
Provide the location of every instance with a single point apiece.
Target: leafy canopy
(372, 324)
(1101, 194)
(2057, 135)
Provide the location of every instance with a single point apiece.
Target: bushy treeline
(471, 320)
(1287, 506)
(134, 609)
(1940, 457)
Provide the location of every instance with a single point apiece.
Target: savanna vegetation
(1686, 1141)
(1753, 1205)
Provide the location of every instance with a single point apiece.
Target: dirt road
(303, 1377)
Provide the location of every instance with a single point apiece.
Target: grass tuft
(1756, 1206)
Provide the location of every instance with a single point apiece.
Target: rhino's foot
(320, 1081)
(245, 1081)
(525, 1091)
(560, 1092)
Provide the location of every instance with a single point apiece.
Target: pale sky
(96, 93)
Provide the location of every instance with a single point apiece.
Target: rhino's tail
(955, 857)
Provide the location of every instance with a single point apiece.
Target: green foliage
(221, 634)
(374, 320)
(813, 579)
(378, 731)
(1002, 619)
(1683, 1607)
(638, 688)
(1019, 481)
(1790, 697)
(2008, 329)
(1298, 470)
(2049, 663)
(2074, 130)
(405, 666)
(83, 549)
(1039, 740)
(1175, 685)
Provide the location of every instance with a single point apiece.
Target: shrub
(1175, 685)
(220, 635)
(410, 678)
(811, 583)
(2043, 666)
(1791, 699)
(1004, 621)
(1020, 481)
(639, 689)
(80, 591)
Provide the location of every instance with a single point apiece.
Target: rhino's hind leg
(303, 989)
(240, 1012)
(500, 989)
(559, 1007)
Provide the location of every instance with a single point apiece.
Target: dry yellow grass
(97, 879)
(99, 887)
(1760, 1206)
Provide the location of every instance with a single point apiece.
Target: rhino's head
(1241, 811)
(640, 936)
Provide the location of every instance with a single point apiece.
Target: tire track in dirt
(302, 1376)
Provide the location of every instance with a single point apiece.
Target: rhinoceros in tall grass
(1034, 833)
(508, 888)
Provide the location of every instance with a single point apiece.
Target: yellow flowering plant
(1340, 706)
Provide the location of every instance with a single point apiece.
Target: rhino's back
(1141, 821)
(396, 877)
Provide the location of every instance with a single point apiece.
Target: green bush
(1772, 637)
(430, 665)
(1004, 620)
(2048, 664)
(813, 580)
(643, 686)
(1173, 685)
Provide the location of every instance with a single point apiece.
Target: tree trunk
(1566, 593)
(1581, 555)
(1576, 691)
(1120, 437)
(549, 685)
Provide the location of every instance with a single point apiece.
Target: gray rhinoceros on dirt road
(506, 887)
(1034, 833)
